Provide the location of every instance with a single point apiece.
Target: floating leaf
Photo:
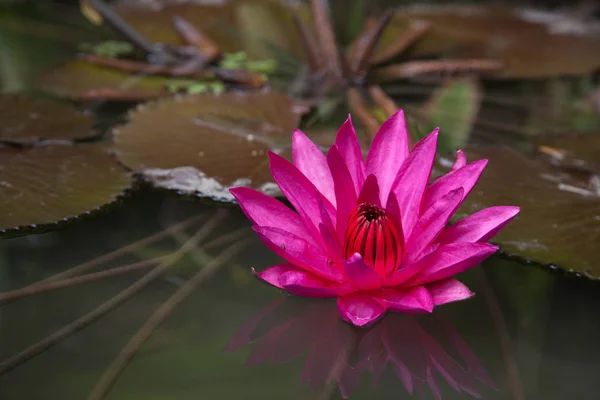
(28, 120)
(205, 144)
(108, 48)
(576, 150)
(453, 108)
(81, 80)
(44, 177)
(559, 222)
(532, 43)
(54, 183)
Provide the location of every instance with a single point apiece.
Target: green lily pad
(26, 120)
(534, 44)
(45, 177)
(559, 222)
(204, 144)
(454, 108)
(81, 80)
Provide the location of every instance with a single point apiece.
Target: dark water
(528, 334)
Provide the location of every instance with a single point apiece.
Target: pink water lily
(372, 233)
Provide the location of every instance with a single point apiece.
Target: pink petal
(359, 309)
(264, 210)
(301, 283)
(301, 193)
(345, 192)
(370, 192)
(461, 160)
(431, 223)
(310, 160)
(465, 177)
(448, 291)
(480, 226)
(413, 300)
(393, 209)
(412, 180)
(360, 274)
(388, 151)
(347, 143)
(298, 252)
(451, 259)
(328, 235)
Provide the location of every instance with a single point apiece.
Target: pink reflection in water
(341, 353)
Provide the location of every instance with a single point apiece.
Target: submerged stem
(119, 364)
(89, 318)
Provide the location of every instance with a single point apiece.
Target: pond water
(527, 334)
(153, 296)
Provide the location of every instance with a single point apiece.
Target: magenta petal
(388, 151)
(451, 259)
(328, 236)
(345, 192)
(465, 177)
(360, 274)
(480, 226)
(461, 160)
(413, 300)
(448, 291)
(412, 180)
(301, 283)
(359, 309)
(370, 192)
(310, 160)
(299, 191)
(347, 143)
(431, 223)
(298, 252)
(264, 210)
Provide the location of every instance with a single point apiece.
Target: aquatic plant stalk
(162, 313)
(373, 233)
(82, 322)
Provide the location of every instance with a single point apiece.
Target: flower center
(372, 233)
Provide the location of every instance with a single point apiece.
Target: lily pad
(230, 25)
(454, 108)
(534, 44)
(45, 177)
(54, 183)
(580, 150)
(81, 80)
(204, 144)
(27, 120)
(559, 222)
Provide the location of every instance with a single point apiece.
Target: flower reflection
(338, 353)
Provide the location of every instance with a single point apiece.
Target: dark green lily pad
(559, 222)
(534, 44)
(205, 144)
(45, 177)
(27, 120)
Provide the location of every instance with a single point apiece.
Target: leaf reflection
(338, 354)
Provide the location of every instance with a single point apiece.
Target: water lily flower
(373, 232)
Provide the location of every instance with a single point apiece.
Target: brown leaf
(81, 80)
(27, 120)
(575, 151)
(532, 43)
(205, 144)
(53, 183)
(559, 222)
